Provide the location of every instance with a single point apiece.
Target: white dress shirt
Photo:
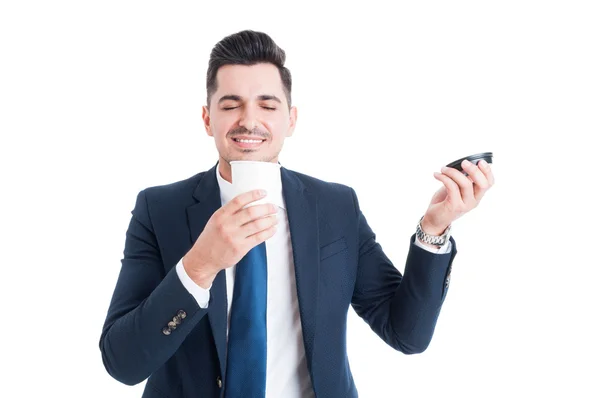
(287, 371)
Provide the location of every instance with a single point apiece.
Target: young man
(196, 297)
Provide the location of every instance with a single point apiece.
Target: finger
(486, 169)
(235, 204)
(256, 226)
(452, 188)
(261, 236)
(252, 213)
(478, 178)
(465, 185)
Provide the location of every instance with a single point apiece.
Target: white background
(99, 100)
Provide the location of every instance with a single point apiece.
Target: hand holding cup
(230, 233)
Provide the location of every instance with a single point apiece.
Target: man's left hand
(459, 195)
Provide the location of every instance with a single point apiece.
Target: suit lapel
(208, 195)
(301, 207)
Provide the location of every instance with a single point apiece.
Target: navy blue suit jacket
(337, 262)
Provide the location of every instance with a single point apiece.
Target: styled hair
(247, 48)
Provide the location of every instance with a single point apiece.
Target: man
(178, 315)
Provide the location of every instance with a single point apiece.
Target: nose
(248, 119)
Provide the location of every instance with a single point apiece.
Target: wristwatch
(433, 239)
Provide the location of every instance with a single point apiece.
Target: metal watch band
(433, 239)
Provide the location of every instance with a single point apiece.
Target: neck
(225, 169)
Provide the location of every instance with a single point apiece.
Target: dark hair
(247, 48)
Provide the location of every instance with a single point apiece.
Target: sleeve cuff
(201, 295)
(442, 250)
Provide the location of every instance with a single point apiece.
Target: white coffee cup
(248, 175)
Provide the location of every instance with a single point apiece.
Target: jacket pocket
(332, 248)
(153, 391)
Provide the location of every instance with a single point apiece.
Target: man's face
(249, 103)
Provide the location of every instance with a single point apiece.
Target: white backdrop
(99, 100)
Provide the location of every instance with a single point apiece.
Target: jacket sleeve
(402, 310)
(134, 342)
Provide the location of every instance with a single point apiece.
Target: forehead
(248, 81)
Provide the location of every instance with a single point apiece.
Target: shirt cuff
(442, 250)
(201, 295)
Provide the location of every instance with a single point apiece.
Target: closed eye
(234, 107)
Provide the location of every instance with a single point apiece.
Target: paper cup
(247, 175)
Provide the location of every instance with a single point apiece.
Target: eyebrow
(263, 97)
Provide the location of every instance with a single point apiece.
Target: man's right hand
(229, 234)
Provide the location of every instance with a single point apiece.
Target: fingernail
(465, 163)
(483, 162)
(263, 192)
(437, 174)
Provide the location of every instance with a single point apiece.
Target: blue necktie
(247, 344)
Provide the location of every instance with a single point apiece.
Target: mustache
(244, 131)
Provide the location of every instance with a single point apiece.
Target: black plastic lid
(473, 158)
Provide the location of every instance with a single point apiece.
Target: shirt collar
(228, 192)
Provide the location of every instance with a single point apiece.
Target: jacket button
(219, 382)
(166, 331)
(181, 314)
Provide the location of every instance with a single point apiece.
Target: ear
(292, 123)
(206, 118)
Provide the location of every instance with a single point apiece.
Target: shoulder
(178, 193)
(317, 185)
(330, 194)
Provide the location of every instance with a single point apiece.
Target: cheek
(221, 127)
(277, 127)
